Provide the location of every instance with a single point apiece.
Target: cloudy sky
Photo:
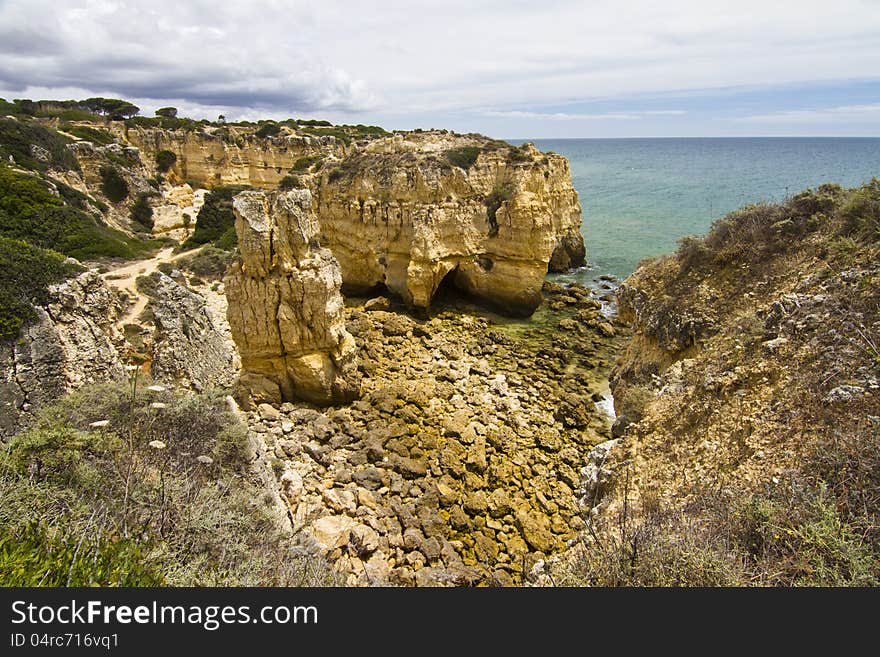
(507, 68)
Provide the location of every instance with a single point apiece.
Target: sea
(639, 196)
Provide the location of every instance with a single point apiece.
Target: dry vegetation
(753, 457)
(123, 485)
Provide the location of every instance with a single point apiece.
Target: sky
(505, 68)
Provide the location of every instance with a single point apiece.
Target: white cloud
(565, 116)
(836, 115)
(398, 58)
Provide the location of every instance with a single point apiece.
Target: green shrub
(142, 212)
(30, 212)
(167, 123)
(18, 138)
(493, 202)
(519, 155)
(40, 556)
(290, 182)
(209, 262)
(692, 252)
(313, 122)
(790, 535)
(228, 240)
(22, 194)
(307, 162)
(268, 129)
(215, 217)
(337, 133)
(135, 497)
(26, 272)
(74, 197)
(113, 184)
(463, 157)
(165, 160)
(94, 135)
(861, 211)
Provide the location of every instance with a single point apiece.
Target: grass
(160, 495)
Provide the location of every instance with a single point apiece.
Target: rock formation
(71, 343)
(229, 155)
(407, 211)
(285, 308)
(187, 345)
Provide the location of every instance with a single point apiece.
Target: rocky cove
(461, 464)
(357, 353)
(406, 432)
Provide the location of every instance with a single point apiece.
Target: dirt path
(124, 278)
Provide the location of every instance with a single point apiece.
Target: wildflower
(157, 444)
(158, 405)
(206, 460)
(99, 424)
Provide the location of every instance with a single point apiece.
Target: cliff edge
(749, 405)
(409, 211)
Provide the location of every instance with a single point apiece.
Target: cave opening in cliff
(447, 291)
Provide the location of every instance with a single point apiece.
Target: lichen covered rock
(285, 307)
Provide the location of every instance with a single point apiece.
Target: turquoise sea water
(640, 195)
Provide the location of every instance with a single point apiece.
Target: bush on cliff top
(463, 157)
(755, 232)
(268, 129)
(307, 162)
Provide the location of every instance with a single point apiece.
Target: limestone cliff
(71, 343)
(186, 345)
(409, 210)
(285, 308)
(229, 155)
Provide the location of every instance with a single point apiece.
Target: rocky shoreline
(462, 462)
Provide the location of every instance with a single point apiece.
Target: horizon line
(700, 137)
